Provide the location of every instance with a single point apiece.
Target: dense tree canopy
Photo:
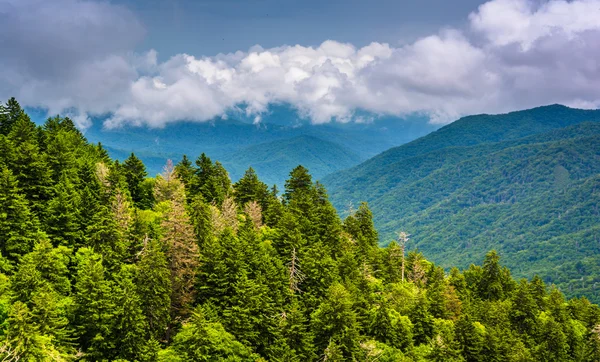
(101, 263)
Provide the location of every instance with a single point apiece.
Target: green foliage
(18, 226)
(135, 173)
(203, 270)
(523, 183)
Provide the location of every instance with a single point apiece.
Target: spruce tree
(130, 324)
(18, 226)
(29, 165)
(63, 219)
(9, 115)
(153, 283)
(185, 171)
(95, 309)
(250, 188)
(135, 173)
(335, 321)
(106, 238)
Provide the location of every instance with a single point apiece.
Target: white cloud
(514, 54)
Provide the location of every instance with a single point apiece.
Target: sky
(155, 62)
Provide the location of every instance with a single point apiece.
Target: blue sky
(154, 62)
(222, 26)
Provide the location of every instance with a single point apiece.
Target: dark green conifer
(18, 226)
(135, 173)
(9, 115)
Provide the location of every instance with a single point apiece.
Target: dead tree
(402, 240)
(296, 275)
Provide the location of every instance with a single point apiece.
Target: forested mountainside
(231, 139)
(528, 185)
(270, 158)
(101, 263)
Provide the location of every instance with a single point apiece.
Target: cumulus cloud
(513, 54)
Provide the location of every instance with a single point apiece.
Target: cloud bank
(512, 54)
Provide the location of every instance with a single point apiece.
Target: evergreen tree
(130, 320)
(135, 173)
(29, 165)
(106, 238)
(63, 220)
(18, 226)
(154, 288)
(495, 280)
(471, 338)
(185, 171)
(335, 321)
(95, 308)
(9, 115)
(250, 188)
(23, 339)
(295, 329)
(207, 340)
(180, 242)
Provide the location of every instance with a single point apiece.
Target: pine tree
(185, 171)
(65, 147)
(360, 226)
(45, 266)
(335, 321)
(18, 226)
(206, 340)
(95, 307)
(154, 288)
(210, 180)
(201, 216)
(470, 338)
(29, 165)
(131, 324)
(295, 329)
(299, 184)
(9, 115)
(106, 238)
(63, 220)
(495, 280)
(249, 188)
(23, 339)
(135, 173)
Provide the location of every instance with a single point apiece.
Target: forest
(102, 262)
(524, 183)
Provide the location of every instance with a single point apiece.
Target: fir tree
(63, 220)
(29, 165)
(153, 283)
(18, 226)
(95, 307)
(135, 173)
(336, 322)
(9, 115)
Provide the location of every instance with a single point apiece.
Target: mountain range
(279, 142)
(525, 183)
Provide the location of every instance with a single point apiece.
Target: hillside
(526, 187)
(222, 138)
(99, 262)
(269, 159)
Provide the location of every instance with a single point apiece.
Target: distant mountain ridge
(322, 157)
(525, 183)
(221, 139)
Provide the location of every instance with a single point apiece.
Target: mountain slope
(221, 138)
(275, 159)
(529, 195)
(467, 131)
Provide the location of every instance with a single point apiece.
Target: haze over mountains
(281, 138)
(524, 183)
